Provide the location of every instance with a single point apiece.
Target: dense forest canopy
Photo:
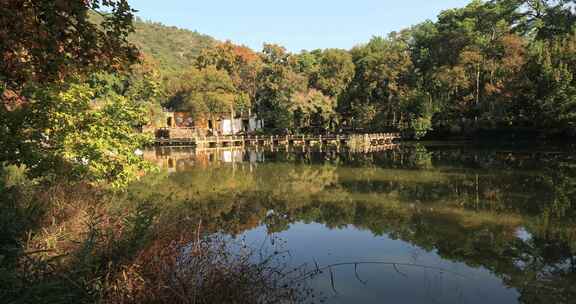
(500, 65)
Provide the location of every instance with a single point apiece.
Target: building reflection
(178, 159)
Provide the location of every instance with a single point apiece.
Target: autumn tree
(468, 62)
(241, 63)
(46, 41)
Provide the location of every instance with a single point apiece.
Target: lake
(416, 223)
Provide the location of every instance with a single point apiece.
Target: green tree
(77, 132)
(277, 83)
(542, 19)
(206, 93)
(52, 119)
(382, 71)
(313, 109)
(417, 110)
(334, 72)
(553, 70)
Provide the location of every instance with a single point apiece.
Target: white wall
(226, 125)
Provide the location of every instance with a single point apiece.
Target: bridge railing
(191, 134)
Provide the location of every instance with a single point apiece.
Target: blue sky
(295, 24)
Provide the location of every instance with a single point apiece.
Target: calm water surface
(426, 223)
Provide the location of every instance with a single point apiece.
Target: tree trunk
(477, 88)
(232, 120)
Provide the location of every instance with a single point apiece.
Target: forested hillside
(173, 48)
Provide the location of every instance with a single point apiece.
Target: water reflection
(500, 221)
(176, 159)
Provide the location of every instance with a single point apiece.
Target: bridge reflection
(176, 159)
(180, 158)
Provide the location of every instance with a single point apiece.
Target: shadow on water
(494, 223)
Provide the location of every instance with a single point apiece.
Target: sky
(295, 24)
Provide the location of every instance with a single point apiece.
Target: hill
(172, 47)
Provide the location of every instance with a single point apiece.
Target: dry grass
(208, 270)
(75, 250)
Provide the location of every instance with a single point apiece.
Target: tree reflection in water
(508, 210)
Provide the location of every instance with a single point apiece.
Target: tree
(77, 132)
(52, 120)
(553, 71)
(277, 83)
(312, 109)
(470, 62)
(306, 62)
(417, 112)
(45, 41)
(542, 19)
(242, 65)
(382, 70)
(331, 71)
(206, 93)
